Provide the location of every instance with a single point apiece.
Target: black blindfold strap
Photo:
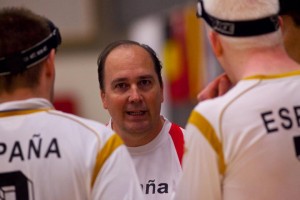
(23, 60)
(245, 28)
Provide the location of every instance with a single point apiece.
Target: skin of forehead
(128, 56)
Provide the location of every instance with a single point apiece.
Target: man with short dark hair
(46, 154)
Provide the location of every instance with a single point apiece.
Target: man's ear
(50, 65)
(104, 101)
(216, 43)
(281, 23)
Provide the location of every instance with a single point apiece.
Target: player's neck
(18, 94)
(263, 62)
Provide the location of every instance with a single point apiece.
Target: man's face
(132, 93)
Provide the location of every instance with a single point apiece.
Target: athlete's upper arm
(116, 176)
(201, 178)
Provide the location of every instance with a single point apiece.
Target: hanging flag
(183, 55)
(195, 52)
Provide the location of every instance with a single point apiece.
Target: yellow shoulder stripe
(287, 74)
(21, 112)
(111, 145)
(209, 133)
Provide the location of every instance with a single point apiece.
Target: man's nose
(135, 95)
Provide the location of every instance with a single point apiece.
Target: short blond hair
(236, 10)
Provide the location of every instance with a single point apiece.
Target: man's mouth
(136, 113)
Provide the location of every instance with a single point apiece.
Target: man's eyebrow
(118, 80)
(146, 77)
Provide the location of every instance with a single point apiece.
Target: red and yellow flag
(184, 55)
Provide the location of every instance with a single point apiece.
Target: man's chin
(137, 127)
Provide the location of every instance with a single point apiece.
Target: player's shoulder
(82, 123)
(218, 104)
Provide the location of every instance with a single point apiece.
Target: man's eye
(120, 85)
(145, 83)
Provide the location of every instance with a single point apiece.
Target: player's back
(260, 133)
(47, 154)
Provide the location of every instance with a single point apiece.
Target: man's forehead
(129, 59)
(126, 76)
(129, 50)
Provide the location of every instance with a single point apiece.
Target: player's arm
(201, 177)
(115, 177)
(217, 87)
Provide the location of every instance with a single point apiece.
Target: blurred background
(170, 27)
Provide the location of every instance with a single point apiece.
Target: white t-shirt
(245, 145)
(47, 154)
(158, 163)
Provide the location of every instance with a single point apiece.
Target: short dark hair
(20, 29)
(291, 8)
(102, 58)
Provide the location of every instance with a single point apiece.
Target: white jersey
(46, 154)
(158, 163)
(245, 145)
